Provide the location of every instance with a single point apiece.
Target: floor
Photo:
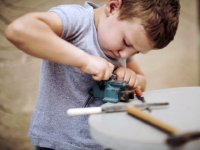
(176, 65)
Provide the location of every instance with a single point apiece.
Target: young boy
(81, 45)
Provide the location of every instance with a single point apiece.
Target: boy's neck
(98, 15)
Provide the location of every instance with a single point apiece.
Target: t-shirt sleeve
(73, 19)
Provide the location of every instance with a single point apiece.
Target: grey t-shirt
(63, 87)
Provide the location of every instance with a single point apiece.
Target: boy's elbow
(16, 31)
(12, 32)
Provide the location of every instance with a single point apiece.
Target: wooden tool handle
(137, 113)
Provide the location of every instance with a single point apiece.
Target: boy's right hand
(99, 68)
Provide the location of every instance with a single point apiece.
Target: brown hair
(159, 18)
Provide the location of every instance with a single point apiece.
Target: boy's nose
(117, 53)
(125, 53)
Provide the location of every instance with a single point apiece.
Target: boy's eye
(137, 52)
(125, 43)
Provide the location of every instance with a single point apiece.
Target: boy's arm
(140, 78)
(38, 34)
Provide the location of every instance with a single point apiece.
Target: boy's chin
(112, 57)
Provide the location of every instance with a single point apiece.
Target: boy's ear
(113, 6)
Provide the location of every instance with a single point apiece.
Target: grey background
(177, 65)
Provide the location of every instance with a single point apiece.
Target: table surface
(121, 131)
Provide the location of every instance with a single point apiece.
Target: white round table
(120, 131)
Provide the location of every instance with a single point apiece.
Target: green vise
(112, 91)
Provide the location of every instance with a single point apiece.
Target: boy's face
(121, 38)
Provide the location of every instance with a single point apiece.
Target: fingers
(98, 68)
(109, 71)
(127, 75)
(105, 73)
(133, 81)
(123, 74)
(120, 74)
(130, 78)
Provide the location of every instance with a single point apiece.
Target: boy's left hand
(126, 74)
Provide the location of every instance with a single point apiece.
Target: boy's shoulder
(73, 12)
(75, 7)
(76, 19)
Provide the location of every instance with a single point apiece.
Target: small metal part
(125, 96)
(123, 106)
(113, 77)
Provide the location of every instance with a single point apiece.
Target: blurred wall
(175, 66)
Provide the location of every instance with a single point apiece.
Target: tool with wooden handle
(175, 136)
(137, 113)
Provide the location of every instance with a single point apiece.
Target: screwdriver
(139, 95)
(110, 108)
